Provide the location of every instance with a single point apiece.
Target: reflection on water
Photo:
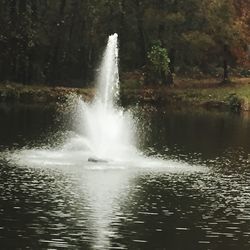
(79, 207)
(104, 190)
(200, 132)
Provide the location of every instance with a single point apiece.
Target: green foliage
(61, 41)
(234, 102)
(158, 59)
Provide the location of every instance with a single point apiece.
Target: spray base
(97, 160)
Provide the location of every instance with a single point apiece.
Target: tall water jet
(107, 128)
(108, 77)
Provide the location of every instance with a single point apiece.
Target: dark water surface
(63, 208)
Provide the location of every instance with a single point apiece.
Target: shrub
(158, 59)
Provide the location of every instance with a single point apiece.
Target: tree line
(61, 41)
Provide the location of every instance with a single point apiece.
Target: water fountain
(105, 133)
(107, 128)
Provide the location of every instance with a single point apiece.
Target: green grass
(14, 92)
(208, 92)
(201, 92)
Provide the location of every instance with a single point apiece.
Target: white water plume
(108, 76)
(107, 128)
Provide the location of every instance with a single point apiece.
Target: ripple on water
(125, 208)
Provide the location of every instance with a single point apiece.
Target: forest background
(60, 42)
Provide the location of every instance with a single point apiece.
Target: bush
(158, 61)
(234, 103)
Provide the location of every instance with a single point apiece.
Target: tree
(242, 24)
(176, 21)
(158, 63)
(60, 42)
(220, 24)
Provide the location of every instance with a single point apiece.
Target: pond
(198, 199)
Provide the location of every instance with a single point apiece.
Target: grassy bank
(189, 92)
(13, 92)
(204, 93)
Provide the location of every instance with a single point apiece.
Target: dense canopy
(60, 42)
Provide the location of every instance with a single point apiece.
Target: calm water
(59, 207)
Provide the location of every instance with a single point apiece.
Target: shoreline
(194, 93)
(39, 94)
(231, 97)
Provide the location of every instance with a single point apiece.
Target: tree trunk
(225, 64)
(140, 25)
(170, 77)
(55, 54)
(34, 9)
(32, 75)
(22, 6)
(23, 44)
(12, 40)
(161, 30)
